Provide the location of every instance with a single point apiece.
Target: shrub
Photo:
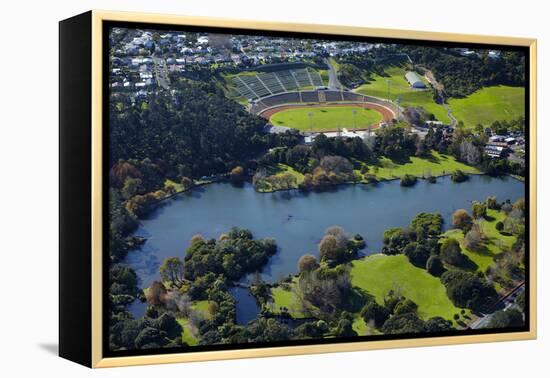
(434, 266)
(408, 180)
(459, 176)
(373, 312)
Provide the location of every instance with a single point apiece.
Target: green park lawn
(286, 298)
(278, 171)
(436, 165)
(489, 104)
(326, 118)
(399, 87)
(187, 335)
(491, 246)
(378, 274)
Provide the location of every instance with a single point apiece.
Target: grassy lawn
(399, 87)
(326, 118)
(437, 165)
(493, 244)
(187, 335)
(202, 308)
(288, 299)
(378, 274)
(489, 104)
(278, 171)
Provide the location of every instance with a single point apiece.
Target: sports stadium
(302, 99)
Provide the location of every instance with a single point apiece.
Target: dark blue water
(246, 305)
(298, 220)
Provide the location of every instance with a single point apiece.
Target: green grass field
(187, 335)
(326, 118)
(493, 244)
(436, 165)
(378, 274)
(286, 298)
(399, 87)
(489, 104)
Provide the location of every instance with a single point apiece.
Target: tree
(468, 290)
(408, 180)
(307, 263)
(156, 294)
(171, 271)
(213, 308)
(491, 202)
(345, 329)
(427, 225)
(450, 251)
(479, 210)
(237, 175)
(150, 338)
(469, 153)
(132, 186)
(328, 247)
(373, 313)
(434, 266)
(404, 323)
(459, 176)
(186, 183)
(418, 254)
(340, 235)
(405, 306)
(472, 239)
(506, 319)
(438, 324)
(462, 220)
(519, 206)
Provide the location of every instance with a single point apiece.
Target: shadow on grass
(468, 264)
(357, 299)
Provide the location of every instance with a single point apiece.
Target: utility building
(414, 80)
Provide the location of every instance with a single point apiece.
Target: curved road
(333, 82)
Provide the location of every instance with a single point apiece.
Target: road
(503, 304)
(161, 72)
(333, 82)
(439, 89)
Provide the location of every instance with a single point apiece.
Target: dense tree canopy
(233, 255)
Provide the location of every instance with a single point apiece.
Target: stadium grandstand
(257, 86)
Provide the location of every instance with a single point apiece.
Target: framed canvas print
(235, 189)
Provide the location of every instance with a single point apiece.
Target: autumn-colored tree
(156, 294)
(307, 263)
(328, 247)
(462, 220)
(121, 171)
(237, 175)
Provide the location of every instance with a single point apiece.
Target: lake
(297, 220)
